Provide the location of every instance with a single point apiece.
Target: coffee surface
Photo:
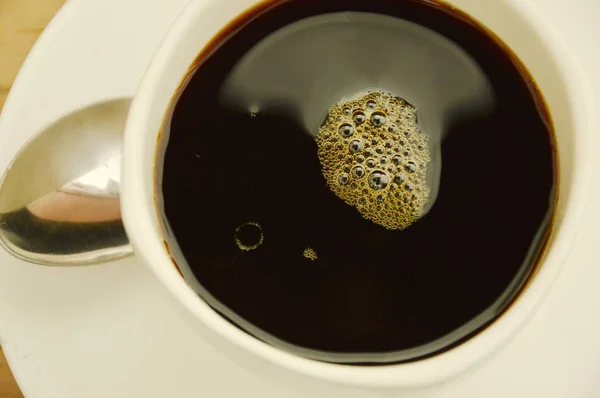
(270, 245)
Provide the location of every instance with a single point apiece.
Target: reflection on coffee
(360, 182)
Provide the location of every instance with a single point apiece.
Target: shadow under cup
(537, 54)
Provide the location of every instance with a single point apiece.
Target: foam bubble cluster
(310, 254)
(374, 157)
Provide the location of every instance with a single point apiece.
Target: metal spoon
(59, 198)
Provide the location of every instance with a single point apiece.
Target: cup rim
(142, 224)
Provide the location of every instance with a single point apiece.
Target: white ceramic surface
(566, 94)
(112, 330)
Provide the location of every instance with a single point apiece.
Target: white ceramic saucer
(111, 331)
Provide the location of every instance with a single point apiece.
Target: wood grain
(21, 22)
(8, 386)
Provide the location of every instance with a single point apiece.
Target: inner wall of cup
(540, 63)
(162, 142)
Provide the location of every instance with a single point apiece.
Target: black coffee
(306, 252)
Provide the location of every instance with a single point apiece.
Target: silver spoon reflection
(59, 198)
(357, 53)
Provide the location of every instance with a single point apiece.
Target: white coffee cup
(520, 28)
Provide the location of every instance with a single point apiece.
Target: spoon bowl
(59, 198)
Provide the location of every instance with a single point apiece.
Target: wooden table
(21, 22)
